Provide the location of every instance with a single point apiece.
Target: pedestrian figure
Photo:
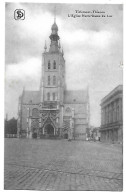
(69, 135)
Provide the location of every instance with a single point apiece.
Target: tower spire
(59, 45)
(55, 14)
(54, 36)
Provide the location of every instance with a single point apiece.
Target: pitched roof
(31, 97)
(116, 90)
(75, 96)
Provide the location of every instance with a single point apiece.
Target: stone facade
(53, 111)
(112, 116)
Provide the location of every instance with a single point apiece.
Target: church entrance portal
(49, 129)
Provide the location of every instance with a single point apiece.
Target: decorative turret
(59, 45)
(62, 51)
(45, 47)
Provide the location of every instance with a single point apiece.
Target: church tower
(53, 70)
(52, 84)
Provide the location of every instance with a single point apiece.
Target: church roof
(31, 97)
(75, 96)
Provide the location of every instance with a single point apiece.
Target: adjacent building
(53, 111)
(112, 116)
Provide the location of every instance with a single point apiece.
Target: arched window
(35, 112)
(54, 96)
(48, 96)
(48, 80)
(49, 65)
(54, 64)
(54, 80)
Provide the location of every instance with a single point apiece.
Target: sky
(93, 50)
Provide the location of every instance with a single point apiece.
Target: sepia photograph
(63, 117)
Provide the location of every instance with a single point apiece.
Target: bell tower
(53, 70)
(52, 84)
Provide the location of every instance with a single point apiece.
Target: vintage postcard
(63, 97)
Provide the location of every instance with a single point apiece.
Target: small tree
(10, 126)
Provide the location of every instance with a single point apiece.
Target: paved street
(62, 165)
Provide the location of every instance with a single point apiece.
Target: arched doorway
(49, 129)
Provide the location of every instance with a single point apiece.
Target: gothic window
(35, 113)
(48, 80)
(54, 96)
(48, 96)
(54, 80)
(54, 64)
(49, 65)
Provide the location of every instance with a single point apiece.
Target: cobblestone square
(62, 165)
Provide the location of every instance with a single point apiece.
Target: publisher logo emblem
(19, 14)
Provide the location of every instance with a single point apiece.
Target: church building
(53, 111)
